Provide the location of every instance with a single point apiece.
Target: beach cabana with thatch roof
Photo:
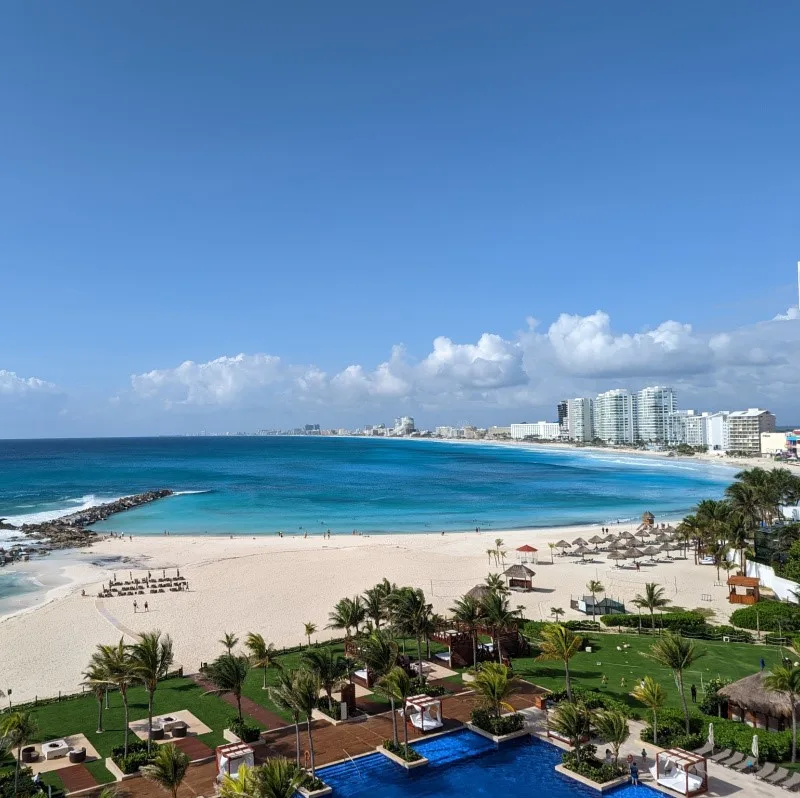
(519, 577)
(751, 703)
(648, 519)
(743, 589)
(479, 592)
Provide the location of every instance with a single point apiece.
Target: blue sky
(309, 186)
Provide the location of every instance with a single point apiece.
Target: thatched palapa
(750, 702)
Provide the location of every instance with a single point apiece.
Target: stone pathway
(76, 777)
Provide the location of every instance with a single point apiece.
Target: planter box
(114, 770)
(318, 714)
(326, 790)
(402, 762)
(609, 785)
(502, 738)
(230, 736)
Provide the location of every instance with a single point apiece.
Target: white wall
(782, 587)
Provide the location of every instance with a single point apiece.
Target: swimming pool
(466, 764)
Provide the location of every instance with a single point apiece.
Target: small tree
(228, 674)
(562, 644)
(654, 598)
(493, 687)
(262, 654)
(573, 722)
(397, 684)
(331, 669)
(305, 692)
(168, 768)
(651, 694)
(678, 654)
(309, 629)
(556, 612)
(285, 698)
(594, 587)
(612, 726)
(151, 658)
(229, 641)
(783, 679)
(18, 729)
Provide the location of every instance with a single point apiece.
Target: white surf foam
(189, 492)
(72, 505)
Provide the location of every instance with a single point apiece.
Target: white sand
(273, 585)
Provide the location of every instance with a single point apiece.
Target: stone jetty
(69, 531)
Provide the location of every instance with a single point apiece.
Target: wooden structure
(648, 519)
(525, 551)
(232, 756)
(743, 589)
(751, 703)
(424, 712)
(519, 576)
(683, 772)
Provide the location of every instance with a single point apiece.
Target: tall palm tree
(493, 687)
(678, 654)
(654, 598)
(492, 554)
(228, 673)
(499, 617)
(96, 677)
(561, 644)
(374, 605)
(309, 629)
(572, 721)
(612, 726)
(397, 684)
(497, 584)
(305, 694)
(469, 611)
(229, 641)
(151, 657)
(262, 654)
(783, 679)
(347, 614)
(276, 778)
(689, 531)
(283, 695)
(411, 617)
(380, 653)
(650, 693)
(18, 729)
(555, 612)
(594, 587)
(330, 668)
(118, 665)
(168, 768)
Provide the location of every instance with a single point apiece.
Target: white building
(691, 428)
(449, 432)
(404, 425)
(655, 411)
(717, 431)
(773, 443)
(614, 417)
(544, 430)
(579, 419)
(745, 428)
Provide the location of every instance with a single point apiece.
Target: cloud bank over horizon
(495, 378)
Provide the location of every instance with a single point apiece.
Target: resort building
(717, 431)
(751, 703)
(579, 419)
(404, 425)
(543, 430)
(655, 410)
(614, 417)
(691, 428)
(499, 432)
(775, 443)
(745, 428)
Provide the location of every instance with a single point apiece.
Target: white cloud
(13, 385)
(790, 315)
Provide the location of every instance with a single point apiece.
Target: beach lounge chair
(736, 759)
(746, 764)
(767, 770)
(706, 750)
(779, 775)
(792, 782)
(724, 754)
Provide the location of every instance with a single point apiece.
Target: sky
(236, 216)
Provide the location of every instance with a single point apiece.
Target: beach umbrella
(627, 534)
(610, 538)
(579, 542)
(583, 551)
(619, 545)
(596, 540)
(616, 555)
(633, 553)
(563, 545)
(711, 734)
(669, 530)
(651, 551)
(665, 547)
(754, 747)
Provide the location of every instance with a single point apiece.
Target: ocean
(262, 485)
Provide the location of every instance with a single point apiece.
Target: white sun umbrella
(711, 734)
(754, 747)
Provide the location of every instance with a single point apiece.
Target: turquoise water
(252, 485)
(465, 764)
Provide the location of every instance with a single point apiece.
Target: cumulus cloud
(790, 315)
(13, 385)
(575, 355)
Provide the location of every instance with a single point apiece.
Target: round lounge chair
(30, 754)
(77, 755)
(157, 733)
(180, 729)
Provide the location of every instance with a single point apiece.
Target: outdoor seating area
(424, 713)
(684, 772)
(166, 728)
(53, 755)
(145, 585)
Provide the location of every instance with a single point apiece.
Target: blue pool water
(465, 764)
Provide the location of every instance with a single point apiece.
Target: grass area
(723, 660)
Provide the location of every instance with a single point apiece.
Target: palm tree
(552, 547)
(330, 668)
(229, 641)
(118, 665)
(228, 673)
(783, 679)
(305, 694)
(555, 612)
(678, 654)
(573, 722)
(380, 653)
(347, 614)
(492, 553)
(18, 729)
(494, 687)
(689, 531)
(374, 604)
(594, 587)
(497, 584)
(469, 611)
(262, 654)
(151, 657)
(499, 617)
(168, 768)
(283, 695)
(309, 629)
(276, 778)
(612, 726)
(653, 599)
(96, 677)
(411, 616)
(562, 644)
(651, 694)
(397, 684)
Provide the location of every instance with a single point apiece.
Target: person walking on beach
(135, 606)
(146, 608)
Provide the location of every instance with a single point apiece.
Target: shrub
(137, 756)
(709, 702)
(674, 621)
(508, 724)
(246, 733)
(433, 690)
(591, 767)
(671, 725)
(398, 749)
(769, 616)
(333, 710)
(594, 699)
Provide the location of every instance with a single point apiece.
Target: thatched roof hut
(749, 701)
(648, 518)
(519, 576)
(479, 592)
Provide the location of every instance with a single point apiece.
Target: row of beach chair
(769, 773)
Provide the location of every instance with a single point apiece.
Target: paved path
(76, 777)
(106, 613)
(269, 720)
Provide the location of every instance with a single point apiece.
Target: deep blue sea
(254, 485)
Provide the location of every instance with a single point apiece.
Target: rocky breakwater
(70, 531)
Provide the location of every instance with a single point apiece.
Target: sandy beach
(273, 585)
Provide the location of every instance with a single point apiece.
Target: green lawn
(725, 660)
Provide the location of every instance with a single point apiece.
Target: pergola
(743, 589)
(525, 551)
(424, 712)
(682, 771)
(232, 756)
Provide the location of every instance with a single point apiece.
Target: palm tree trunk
(99, 714)
(264, 686)
(655, 728)
(405, 728)
(679, 677)
(239, 705)
(105, 693)
(394, 720)
(310, 745)
(125, 706)
(17, 769)
(794, 731)
(566, 679)
(297, 741)
(653, 617)
(499, 650)
(475, 649)
(419, 659)
(149, 720)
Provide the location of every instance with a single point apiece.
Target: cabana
(682, 771)
(424, 712)
(526, 550)
(519, 577)
(232, 756)
(588, 605)
(743, 589)
(751, 703)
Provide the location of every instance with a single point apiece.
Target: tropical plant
(151, 657)
(276, 778)
(228, 674)
(469, 611)
(229, 641)
(612, 726)
(262, 654)
(120, 671)
(375, 604)
(561, 644)
(572, 721)
(347, 614)
(411, 617)
(678, 654)
(17, 729)
(654, 598)
(785, 679)
(309, 629)
(650, 693)
(305, 694)
(380, 653)
(397, 684)
(499, 617)
(331, 668)
(284, 697)
(556, 612)
(497, 584)
(494, 687)
(168, 768)
(594, 587)
(96, 678)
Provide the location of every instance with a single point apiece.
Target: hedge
(770, 616)
(674, 621)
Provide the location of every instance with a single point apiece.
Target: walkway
(269, 720)
(195, 749)
(100, 606)
(76, 777)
